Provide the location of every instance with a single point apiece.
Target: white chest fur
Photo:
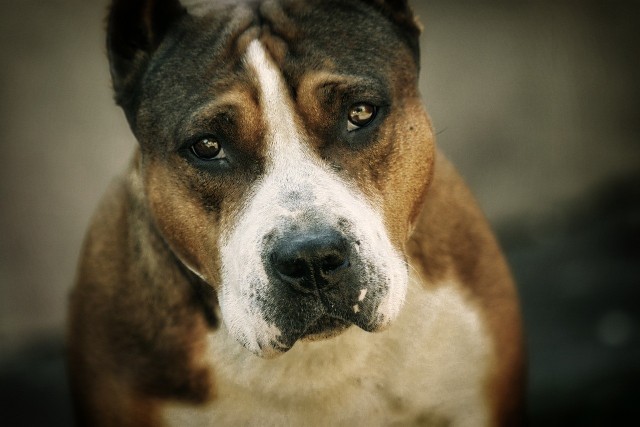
(428, 368)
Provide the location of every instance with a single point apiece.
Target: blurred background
(537, 102)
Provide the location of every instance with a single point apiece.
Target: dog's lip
(324, 327)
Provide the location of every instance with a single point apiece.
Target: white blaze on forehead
(274, 97)
(291, 168)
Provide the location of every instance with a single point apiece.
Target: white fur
(428, 366)
(291, 169)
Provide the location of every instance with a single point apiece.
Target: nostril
(295, 268)
(333, 263)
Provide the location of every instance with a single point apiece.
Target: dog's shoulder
(142, 326)
(453, 243)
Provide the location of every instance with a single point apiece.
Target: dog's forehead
(203, 58)
(346, 36)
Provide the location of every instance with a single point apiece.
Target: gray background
(536, 102)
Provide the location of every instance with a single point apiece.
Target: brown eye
(207, 149)
(361, 115)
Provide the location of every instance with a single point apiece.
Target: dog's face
(285, 154)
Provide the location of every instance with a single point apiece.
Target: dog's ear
(401, 13)
(135, 29)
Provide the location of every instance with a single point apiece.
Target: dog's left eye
(208, 148)
(360, 115)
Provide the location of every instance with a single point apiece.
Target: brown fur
(120, 367)
(453, 239)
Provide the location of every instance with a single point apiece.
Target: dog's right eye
(208, 148)
(360, 115)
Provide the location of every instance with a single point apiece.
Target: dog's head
(285, 153)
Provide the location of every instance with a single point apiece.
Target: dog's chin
(323, 328)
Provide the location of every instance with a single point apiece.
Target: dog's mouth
(324, 327)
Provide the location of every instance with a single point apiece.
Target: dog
(287, 247)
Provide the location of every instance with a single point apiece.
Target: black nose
(311, 261)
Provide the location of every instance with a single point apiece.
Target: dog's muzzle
(319, 283)
(307, 258)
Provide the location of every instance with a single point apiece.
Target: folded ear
(135, 30)
(401, 13)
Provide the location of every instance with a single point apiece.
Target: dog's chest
(428, 368)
